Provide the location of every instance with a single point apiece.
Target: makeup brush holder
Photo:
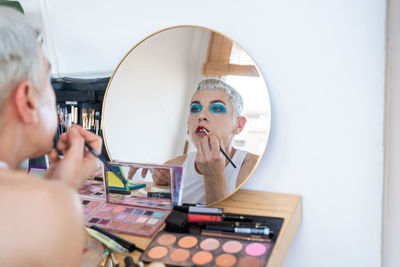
(80, 101)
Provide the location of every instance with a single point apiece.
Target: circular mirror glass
(153, 111)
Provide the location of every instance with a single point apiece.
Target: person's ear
(240, 123)
(25, 105)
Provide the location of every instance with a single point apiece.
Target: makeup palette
(134, 214)
(178, 249)
(158, 203)
(127, 219)
(90, 204)
(93, 189)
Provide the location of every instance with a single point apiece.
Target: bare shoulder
(251, 159)
(247, 167)
(43, 222)
(177, 161)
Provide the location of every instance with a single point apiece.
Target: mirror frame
(255, 65)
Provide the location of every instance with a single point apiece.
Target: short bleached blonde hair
(20, 55)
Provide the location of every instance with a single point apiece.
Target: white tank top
(193, 182)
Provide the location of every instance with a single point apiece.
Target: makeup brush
(220, 149)
(114, 260)
(106, 252)
(97, 122)
(99, 156)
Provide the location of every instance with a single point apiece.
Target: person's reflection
(217, 108)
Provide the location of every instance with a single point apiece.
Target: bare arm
(43, 226)
(247, 168)
(62, 234)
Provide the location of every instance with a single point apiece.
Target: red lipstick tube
(194, 218)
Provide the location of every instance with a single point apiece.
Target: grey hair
(235, 98)
(20, 57)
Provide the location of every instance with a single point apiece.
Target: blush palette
(179, 249)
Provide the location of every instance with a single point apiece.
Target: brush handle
(99, 156)
(223, 152)
(227, 157)
(106, 164)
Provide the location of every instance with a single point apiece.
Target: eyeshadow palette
(90, 204)
(179, 249)
(93, 189)
(127, 219)
(134, 214)
(158, 203)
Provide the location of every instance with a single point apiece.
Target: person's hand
(160, 176)
(78, 162)
(133, 170)
(210, 162)
(209, 159)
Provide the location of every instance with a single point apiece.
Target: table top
(286, 206)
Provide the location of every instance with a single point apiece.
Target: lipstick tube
(195, 218)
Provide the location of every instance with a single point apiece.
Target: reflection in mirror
(175, 99)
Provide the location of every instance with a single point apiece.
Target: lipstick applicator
(222, 151)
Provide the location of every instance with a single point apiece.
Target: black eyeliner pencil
(97, 155)
(223, 152)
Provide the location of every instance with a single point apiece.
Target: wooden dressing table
(287, 206)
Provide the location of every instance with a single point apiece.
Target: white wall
(142, 84)
(324, 65)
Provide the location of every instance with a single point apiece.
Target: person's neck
(230, 150)
(11, 147)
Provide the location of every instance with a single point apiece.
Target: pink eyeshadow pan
(121, 216)
(87, 209)
(101, 214)
(255, 249)
(118, 209)
(94, 203)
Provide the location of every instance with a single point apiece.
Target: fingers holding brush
(78, 163)
(209, 159)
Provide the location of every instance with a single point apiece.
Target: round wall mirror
(153, 113)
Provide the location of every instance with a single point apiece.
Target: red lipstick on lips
(201, 131)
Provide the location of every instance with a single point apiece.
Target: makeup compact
(130, 211)
(179, 249)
